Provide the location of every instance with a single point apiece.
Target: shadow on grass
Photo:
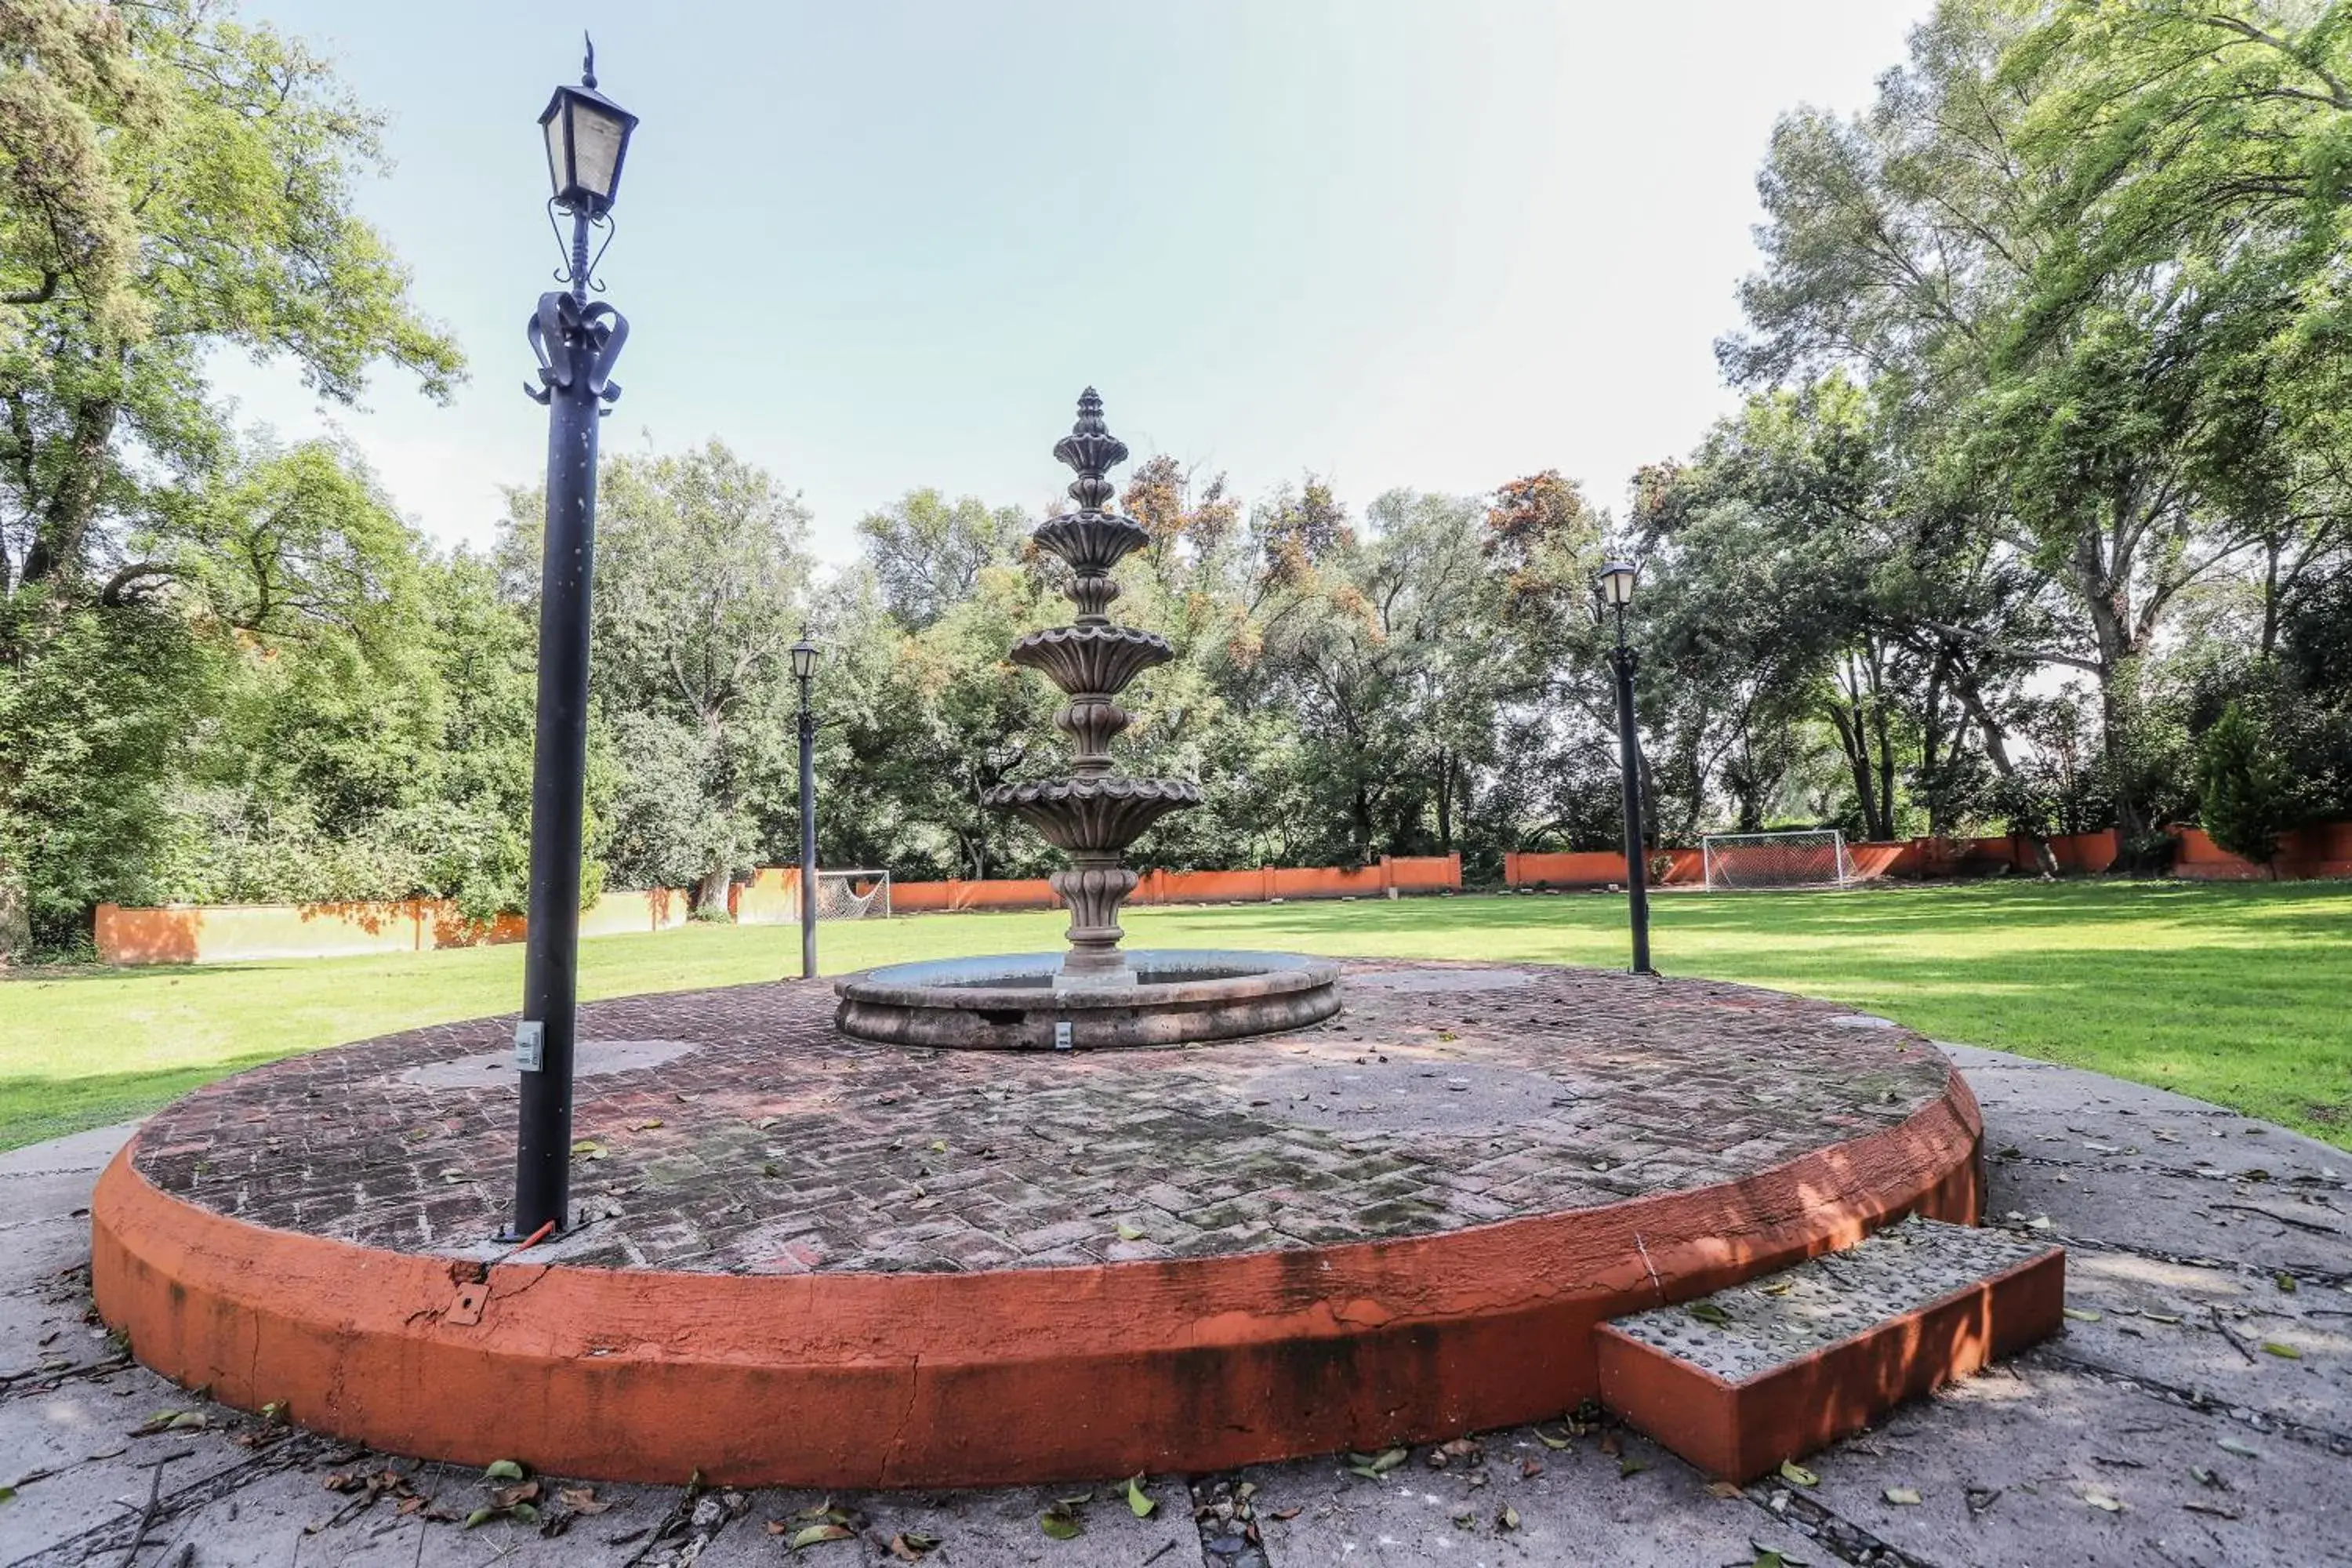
(35, 1108)
(42, 974)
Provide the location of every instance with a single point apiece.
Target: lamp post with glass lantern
(1616, 588)
(587, 136)
(805, 671)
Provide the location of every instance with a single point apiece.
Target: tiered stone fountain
(1095, 993)
(1095, 813)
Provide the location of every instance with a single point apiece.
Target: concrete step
(1773, 1369)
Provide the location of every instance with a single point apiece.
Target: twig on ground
(147, 1514)
(2235, 1342)
(2315, 1228)
(680, 1515)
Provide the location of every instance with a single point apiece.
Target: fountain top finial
(1092, 451)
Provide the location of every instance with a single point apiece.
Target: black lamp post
(805, 671)
(1617, 591)
(587, 136)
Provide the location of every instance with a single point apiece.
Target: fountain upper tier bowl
(1012, 1002)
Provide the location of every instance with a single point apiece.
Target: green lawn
(2234, 993)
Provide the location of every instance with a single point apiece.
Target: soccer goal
(853, 895)
(1737, 862)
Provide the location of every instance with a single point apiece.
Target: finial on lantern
(588, 65)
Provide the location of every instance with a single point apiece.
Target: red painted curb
(1741, 1431)
(954, 1379)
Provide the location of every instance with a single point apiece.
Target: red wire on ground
(533, 1239)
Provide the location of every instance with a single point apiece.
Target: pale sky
(884, 244)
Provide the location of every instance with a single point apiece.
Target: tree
(928, 554)
(172, 184)
(1393, 653)
(1192, 522)
(702, 584)
(1976, 245)
(2246, 800)
(179, 183)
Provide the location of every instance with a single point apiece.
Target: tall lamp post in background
(587, 135)
(1617, 591)
(805, 671)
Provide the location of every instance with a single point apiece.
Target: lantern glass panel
(596, 137)
(558, 179)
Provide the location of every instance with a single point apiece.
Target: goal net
(853, 895)
(1739, 862)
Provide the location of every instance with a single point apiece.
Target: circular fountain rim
(962, 983)
(949, 1003)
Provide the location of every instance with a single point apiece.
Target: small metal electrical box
(1061, 1034)
(531, 1043)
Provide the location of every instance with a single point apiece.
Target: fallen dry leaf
(817, 1534)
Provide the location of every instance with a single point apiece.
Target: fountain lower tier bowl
(1015, 1002)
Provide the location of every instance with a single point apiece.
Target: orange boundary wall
(226, 933)
(217, 934)
(2322, 850)
(1015, 1375)
(1399, 874)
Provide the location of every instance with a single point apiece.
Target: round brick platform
(805, 1259)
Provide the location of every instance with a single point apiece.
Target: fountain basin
(1012, 1000)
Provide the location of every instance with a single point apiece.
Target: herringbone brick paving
(1443, 1096)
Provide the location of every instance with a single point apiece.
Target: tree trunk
(1854, 740)
(1883, 829)
(56, 545)
(2045, 859)
(1934, 756)
(711, 893)
(2103, 580)
(1444, 801)
(2131, 821)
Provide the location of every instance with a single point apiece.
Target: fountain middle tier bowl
(1093, 816)
(1100, 659)
(1013, 1000)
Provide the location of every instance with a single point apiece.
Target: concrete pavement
(2198, 1410)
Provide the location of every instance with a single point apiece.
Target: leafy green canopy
(174, 182)
(2090, 258)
